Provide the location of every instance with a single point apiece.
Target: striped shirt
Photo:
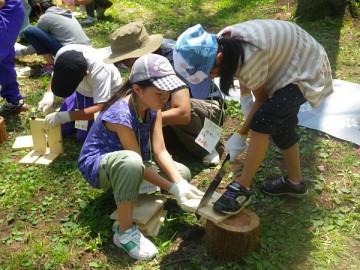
(278, 53)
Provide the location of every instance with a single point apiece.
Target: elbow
(185, 119)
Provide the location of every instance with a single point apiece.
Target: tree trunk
(3, 134)
(313, 10)
(234, 237)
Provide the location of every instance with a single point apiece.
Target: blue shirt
(101, 141)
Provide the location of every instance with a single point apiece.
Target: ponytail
(233, 57)
(124, 89)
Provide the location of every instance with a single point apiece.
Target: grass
(50, 218)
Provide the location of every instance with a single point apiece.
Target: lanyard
(139, 121)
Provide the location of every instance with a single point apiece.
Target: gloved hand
(46, 102)
(246, 103)
(184, 191)
(57, 118)
(236, 145)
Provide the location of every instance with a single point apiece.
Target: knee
(28, 30)
(133, 161)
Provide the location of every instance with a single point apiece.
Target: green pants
(123, 171)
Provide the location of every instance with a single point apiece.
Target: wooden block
(46, 142)
(146, 206)
(23, 142)
(153, 226)
(31, 157)
(206, 211)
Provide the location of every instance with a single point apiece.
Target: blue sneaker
(235, 198)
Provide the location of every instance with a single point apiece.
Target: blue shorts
(277, 116)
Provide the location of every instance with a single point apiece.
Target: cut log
(234, 237)
(3, 134)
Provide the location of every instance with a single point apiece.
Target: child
(81, 76)
(56, 27)
(284, 67)
(117, 151)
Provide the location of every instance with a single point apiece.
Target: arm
(161, 155)
(2, 3)
(179, 112)
(128, 140)
(87, 113)
(260, 96)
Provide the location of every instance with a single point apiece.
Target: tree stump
(234, 237)
(3, 134)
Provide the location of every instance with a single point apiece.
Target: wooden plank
(206, 211)
(153, 226)
(146, 206)
(31, 157)
(55, 141)
(38, 127)
(23, 142)
(46, 159)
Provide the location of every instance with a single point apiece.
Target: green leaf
(95, 264)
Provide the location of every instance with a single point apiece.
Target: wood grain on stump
(3, 134)
(234, 237)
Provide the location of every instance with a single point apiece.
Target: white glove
(57, 118)
(246, 103)
(236, 145)
(184, 191)
(46, 102)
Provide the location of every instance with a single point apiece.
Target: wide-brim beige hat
(132, 41)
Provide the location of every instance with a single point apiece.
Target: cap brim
(61, 87)
(153, 44)
(168, 83)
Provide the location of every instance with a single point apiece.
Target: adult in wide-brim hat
(132, 41)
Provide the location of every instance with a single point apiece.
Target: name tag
(81, 124)
(209, 136)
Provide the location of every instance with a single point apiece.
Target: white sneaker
(211, 159)
(135, 244)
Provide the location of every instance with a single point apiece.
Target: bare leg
(255, 155)
(292, 162)
(125, 213)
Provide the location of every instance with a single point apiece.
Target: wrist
(171, 188)
(244, 135)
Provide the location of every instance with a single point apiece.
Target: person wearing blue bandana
(284, 67)
(185, 113)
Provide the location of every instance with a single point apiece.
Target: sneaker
(10, 108)
(100, 12)
(21, 50)
(211, 159)
(134, 243)
(88, 20)
(282, 186)
(44, 70)
(235, 198)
